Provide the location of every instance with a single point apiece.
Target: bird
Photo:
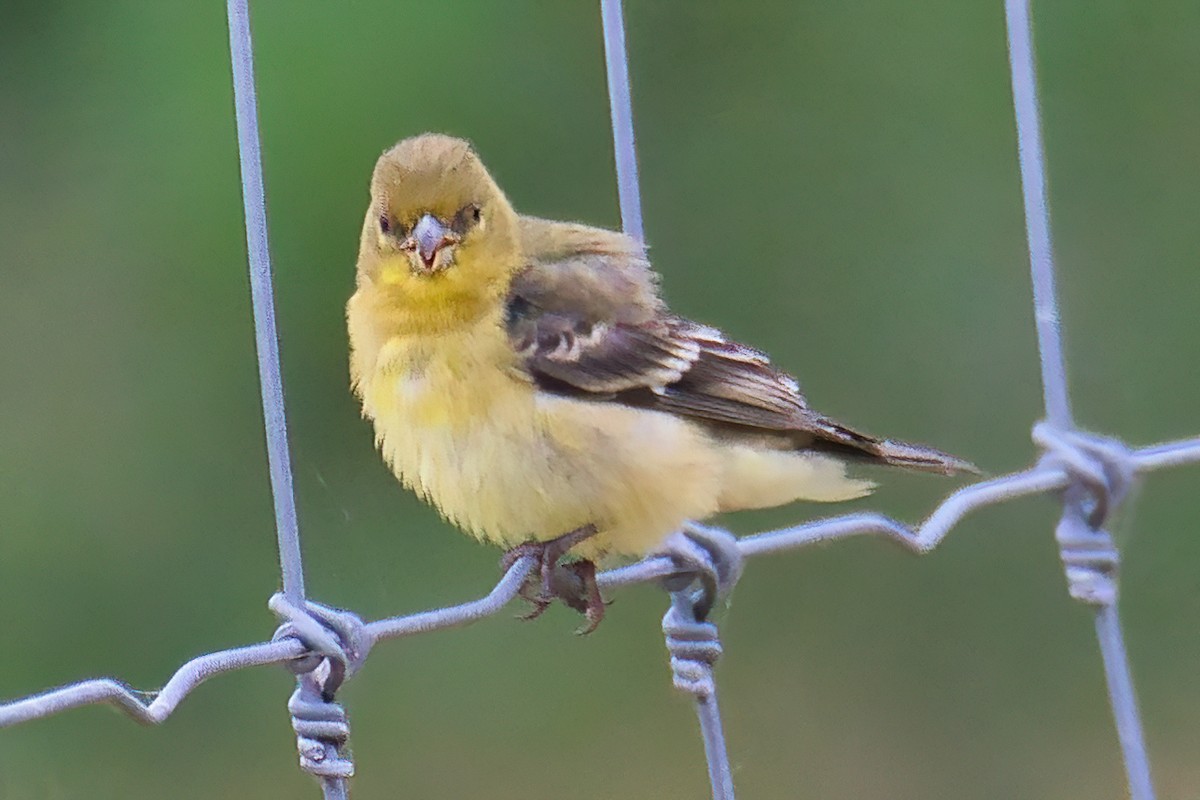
(526, 377)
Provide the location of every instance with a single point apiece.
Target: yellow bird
(526, 378)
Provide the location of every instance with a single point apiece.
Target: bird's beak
(430, 236)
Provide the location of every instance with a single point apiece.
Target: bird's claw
(585, 595)
(573, 583)
(538, 602)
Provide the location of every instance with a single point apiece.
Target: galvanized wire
(922, 538)
(1090, 472)
(266, 337)
(629, 193)
(287, 530)
(1074, 526)
(1031, 157)
(620, 107)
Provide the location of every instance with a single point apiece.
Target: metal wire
(621, 110)
(266, 337)
(1090, 472)
(1037, 212)
(287, 529)
(616, 61)
(695, 646)
(1038, 480)
(1074, 527)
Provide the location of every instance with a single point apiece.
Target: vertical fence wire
(620, 103)
(620, 108)
(266, 337)
(1031, 154)
(720, 775)
(1124, 703)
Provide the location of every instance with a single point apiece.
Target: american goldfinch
(526, 378)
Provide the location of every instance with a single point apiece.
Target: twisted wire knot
(704, 555)
(1103, 469)
(694, 646)
(1090, 562)
(332, 636)
(321, 731)
(338, 644)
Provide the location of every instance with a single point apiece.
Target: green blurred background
(835, 183)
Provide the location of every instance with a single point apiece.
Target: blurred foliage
(833, 182)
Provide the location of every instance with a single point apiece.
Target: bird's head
(437, 219)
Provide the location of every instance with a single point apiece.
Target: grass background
(834, 183)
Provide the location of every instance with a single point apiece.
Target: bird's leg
(575, 591)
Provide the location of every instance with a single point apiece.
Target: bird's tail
(836, 437)
(918, 456)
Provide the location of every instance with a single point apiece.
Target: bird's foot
(708, 556)
(573, 583)
(584, 594)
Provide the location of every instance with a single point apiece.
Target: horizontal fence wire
(324, 646)
(920, 539)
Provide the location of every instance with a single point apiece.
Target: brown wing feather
(587, 320)
(600, 357)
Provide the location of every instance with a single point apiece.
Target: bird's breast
(459, 426)
(457, 386)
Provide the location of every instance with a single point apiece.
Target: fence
(324, 646)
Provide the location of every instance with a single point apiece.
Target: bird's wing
(585, 318)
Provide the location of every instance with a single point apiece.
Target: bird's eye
(465, 218)
(385, 224)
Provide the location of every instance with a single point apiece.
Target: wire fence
(325, 646)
